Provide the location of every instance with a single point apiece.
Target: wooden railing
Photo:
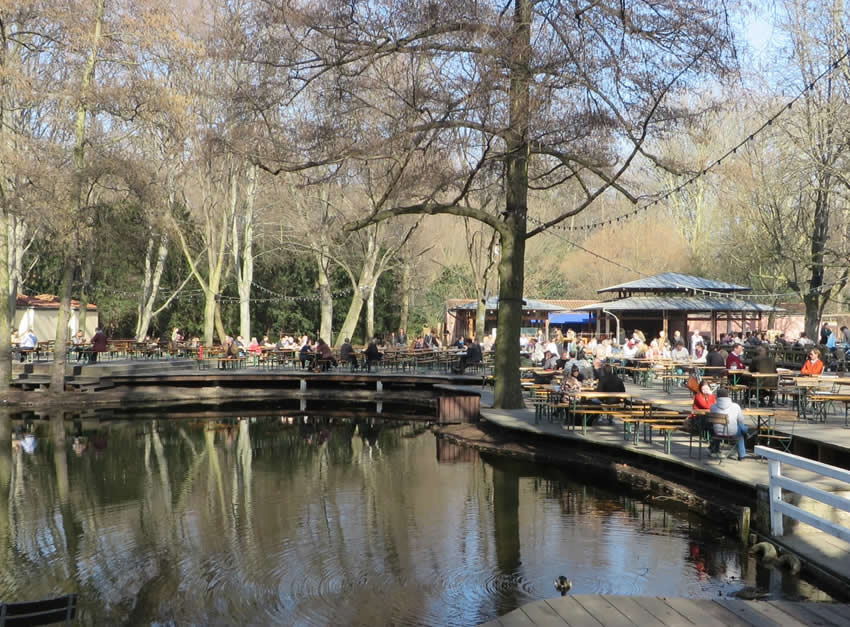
(778, 483)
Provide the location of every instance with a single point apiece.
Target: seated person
(473, 355)
(347, 355)
(734, 362)
(812, 367)
(231, 350)
(680, 354)
(714, 359)
(700, 356)
(610, 382)
(324, 353)
(549, 361)
(373, 355)
(763, 363)
(562, 362)
(571, 381)
(597, 369)
(306, 354)
(29, 342)
(735, 425)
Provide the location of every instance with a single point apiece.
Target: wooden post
(665, 325)
(714, 337)
(546, 326)
(774, 471)
(598, 322)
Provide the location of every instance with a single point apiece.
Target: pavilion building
(677, 302)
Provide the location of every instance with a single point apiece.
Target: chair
(30, 613)
(729, 441)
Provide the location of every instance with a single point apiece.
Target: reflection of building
(678, 302)
(41, 314)
(536, 314)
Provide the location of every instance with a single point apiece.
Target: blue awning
(569, 318)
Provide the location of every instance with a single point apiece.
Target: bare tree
(552, 92)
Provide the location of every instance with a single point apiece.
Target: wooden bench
(224, 363)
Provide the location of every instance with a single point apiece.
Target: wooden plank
(573, 612)
(601, 610)
(775, 614)
(827, 613)
(542, 614)
(705, 613)
(800, 612)
(517, 618)
(747, 613)
(635, 612)
(663, 612)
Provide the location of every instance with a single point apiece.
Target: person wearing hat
(734, 420)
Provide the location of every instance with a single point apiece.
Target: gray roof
(680, 303)
(528, 304)
(674, 282)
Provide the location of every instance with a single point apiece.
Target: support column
(546, 327)
(598, 324)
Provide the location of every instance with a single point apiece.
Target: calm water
(274, 521)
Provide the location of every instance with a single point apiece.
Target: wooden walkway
(597, 610)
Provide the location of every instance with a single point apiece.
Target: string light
(786, 107)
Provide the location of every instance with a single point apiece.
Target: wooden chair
(729, 441)
(30, 613)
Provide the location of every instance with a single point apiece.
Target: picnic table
(573, 399)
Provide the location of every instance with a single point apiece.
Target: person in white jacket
(735, 420)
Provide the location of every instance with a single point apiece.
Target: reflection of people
(80, 445)
(28, 444)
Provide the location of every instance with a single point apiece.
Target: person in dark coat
(347, 354)
(98, 344)
(715, 359)
(373, 355)
(765, 364)
(473, 355)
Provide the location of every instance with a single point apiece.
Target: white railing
(778, 483)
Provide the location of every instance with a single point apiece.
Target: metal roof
(674, 282)
(680, 303)
(528, 304)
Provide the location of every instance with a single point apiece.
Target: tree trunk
(17, 232)
(57, 373)
(405, 296)
(481, 315)
(209, 317)
(351, 318)
(508, 391)
(820, 232)
(370, 312)
(325, 298)
(150, 286)
(6, 320)
(245, 271)
(84, 294)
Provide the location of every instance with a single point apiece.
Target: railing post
(774, 471)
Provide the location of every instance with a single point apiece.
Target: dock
(602, 610)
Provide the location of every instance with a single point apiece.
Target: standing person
(845, 336)
(402, 337)
(824, 333)
(98, 344)
(734, 420)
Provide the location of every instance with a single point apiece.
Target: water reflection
(297, 519)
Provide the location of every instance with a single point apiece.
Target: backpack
(693, 384)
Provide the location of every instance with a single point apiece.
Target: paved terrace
(818, 547)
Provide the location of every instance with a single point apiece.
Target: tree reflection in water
(324, 521)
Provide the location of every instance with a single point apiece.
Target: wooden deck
(597, 610)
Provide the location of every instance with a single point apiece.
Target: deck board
(542, 614)
(573, 612)
(596, 610)
(635, 612)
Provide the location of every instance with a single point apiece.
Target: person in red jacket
(703, 399)
(98, 344)
(813, 365)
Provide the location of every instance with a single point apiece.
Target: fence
(778, 483)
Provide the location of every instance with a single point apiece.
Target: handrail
(778, 482)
